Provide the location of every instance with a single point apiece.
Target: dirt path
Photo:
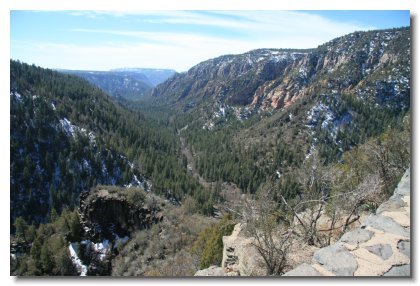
(185, 150)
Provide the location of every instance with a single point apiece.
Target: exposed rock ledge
(379, 247)
(240, 257)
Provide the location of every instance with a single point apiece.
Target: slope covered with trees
(67, 136)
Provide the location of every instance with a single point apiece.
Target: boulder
(336, 259)
(400, 270)
(404, 185)
(385, 224)
(303, 270)
(384, 251)
(356, 236)
(395, 203)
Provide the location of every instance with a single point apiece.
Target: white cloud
(180, 55)
(181, 50)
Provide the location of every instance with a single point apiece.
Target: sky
(103, 40)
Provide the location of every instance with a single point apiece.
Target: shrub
(209, 244)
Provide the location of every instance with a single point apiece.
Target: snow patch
(16, 95)
(303, 72)
(72, 130)
(102, 248)
(311, 151)
(68, 127)
(221, 112)
(136, 180)
(76, 260)
(209, 125)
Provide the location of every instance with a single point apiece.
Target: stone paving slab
(402, 218)
(400, 270)
(386, 224)
(336, 259)
(356, 236)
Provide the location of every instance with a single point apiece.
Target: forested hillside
(67, 136)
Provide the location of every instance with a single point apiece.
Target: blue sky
(102, 40)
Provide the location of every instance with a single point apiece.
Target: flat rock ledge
(379, 247)
(211, 271)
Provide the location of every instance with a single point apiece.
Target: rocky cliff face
(105, 213)
(373, 64)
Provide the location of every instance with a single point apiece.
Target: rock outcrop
(379, 247)
(240, 257)
(107, 212)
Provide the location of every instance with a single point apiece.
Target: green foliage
(20, 228)
(48, 253)
(389, 154)
(209, 244)
(220, 158)
(135, 196)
